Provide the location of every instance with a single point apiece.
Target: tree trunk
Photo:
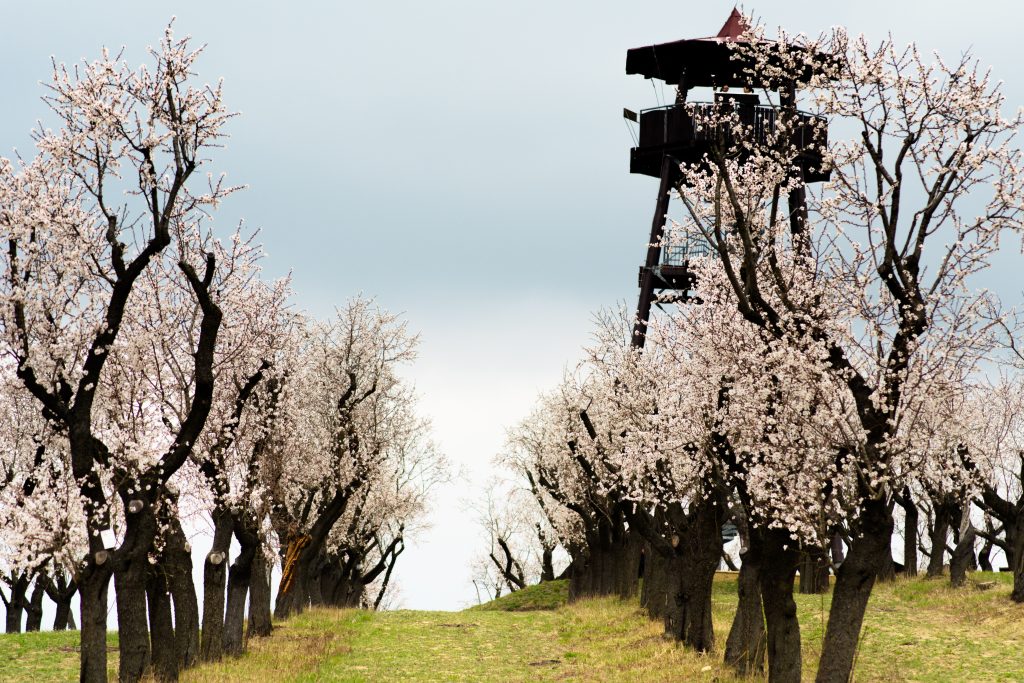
(214, 585)
(813, 571)
(854, 581)
(62, 618)
(777, 575)
(132, 624)
(34, 607)
(61, 591)
(963, 553)
(887, 569)
(239, 578)
(259, 598)
(93, 585)
(547, 566)
(178, 569)
(938, 535)
(313, 570)
(657, 569)
(17, 603)
(293, 590)
(627, 565)
(165, 656)
(698, 553)
(836, 548)
(745, 646)
(1015, 558)
(985, 556)
(910, 522)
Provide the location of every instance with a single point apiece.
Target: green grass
(47, 656)
(547, 595)
(915, 631)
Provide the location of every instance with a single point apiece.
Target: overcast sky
(465, 162)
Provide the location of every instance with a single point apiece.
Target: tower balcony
(677, 130)
(673, 270)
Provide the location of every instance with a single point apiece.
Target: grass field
(916, 631)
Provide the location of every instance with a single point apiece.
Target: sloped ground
(916, 631)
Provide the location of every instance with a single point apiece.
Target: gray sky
(463, 161)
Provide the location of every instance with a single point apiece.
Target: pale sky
(463, 161)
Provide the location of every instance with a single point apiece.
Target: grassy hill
(916, 631)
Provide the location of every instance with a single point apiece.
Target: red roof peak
(735, 26)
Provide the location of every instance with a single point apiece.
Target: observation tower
(670, 135)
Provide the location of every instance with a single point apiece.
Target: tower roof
(735, 26)
(698, 62)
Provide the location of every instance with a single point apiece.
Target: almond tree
(344, 412)
(859, 279)
(992, 446)
(107, 194)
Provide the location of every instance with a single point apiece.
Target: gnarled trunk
(777, 574)
(745, 646)
(657, 575)
(963, 554)
(938, 535)
(239, 578)
(164, 654)
(813, 571)
(178, 570)
(1015, 556)
(260, 624)
(131, 574)
(214, 583)
(293, 592)
(854, 581)
(697, 553)
(910, 521)
(93, 584)
(34, 607)
(61, 591)
(133, 625)
(16, 605)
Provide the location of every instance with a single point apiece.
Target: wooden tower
(668, 137)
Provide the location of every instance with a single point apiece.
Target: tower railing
(680, 248)
(682, 124)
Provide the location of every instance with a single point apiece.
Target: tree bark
(745, 646)
(132, 622)
(16, 605)
(131, 575)
(214, 585)
(292, 595)
(164, 653)
(260, 624)
(239, 578)
(178, 570)
(836, 549)
(854, 581)
(34, 606)
(963, 554)
(627, 566)
(93, 584)
(782, 628)
(887, 569)
(1015, 557)
(910, 522)
(547, 566)
(62, 618)
(698, 553)
(655, 590)
(938, 536)
(813, 572)
(61, 591)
